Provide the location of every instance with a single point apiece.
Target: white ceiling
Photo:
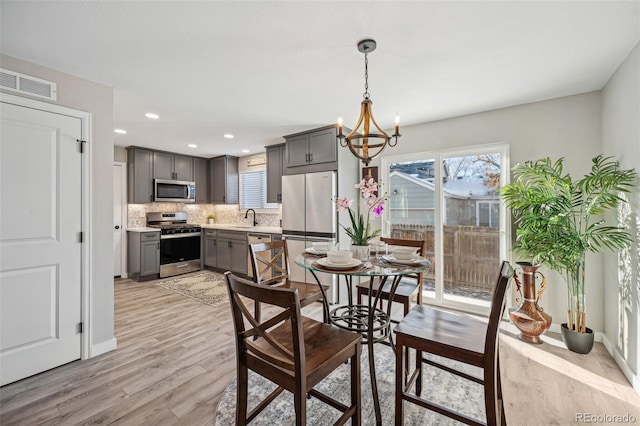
(261, 70)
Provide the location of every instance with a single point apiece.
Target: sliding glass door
(450, 199)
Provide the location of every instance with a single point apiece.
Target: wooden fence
(471, 254)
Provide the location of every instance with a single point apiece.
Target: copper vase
(529, 317)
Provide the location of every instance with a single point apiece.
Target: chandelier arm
(375, 123)
(359, 123)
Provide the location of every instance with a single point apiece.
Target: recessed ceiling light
(152, 115)
(121, 131)
(245, 151)
(192, 145)
(228, 135)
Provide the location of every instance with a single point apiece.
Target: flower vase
(360, 252)
(528, 317)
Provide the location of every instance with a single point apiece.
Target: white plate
(314, 251)
(348, 265)
(415, 260)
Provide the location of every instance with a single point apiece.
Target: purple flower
(377, 210)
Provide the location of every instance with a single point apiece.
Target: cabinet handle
(158, 246)
(151, 197)
(311, 157)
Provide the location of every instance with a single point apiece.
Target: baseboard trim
(103, 347)
(622, 363)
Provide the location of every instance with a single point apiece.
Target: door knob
(117, 227)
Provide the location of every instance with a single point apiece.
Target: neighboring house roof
(468, 187)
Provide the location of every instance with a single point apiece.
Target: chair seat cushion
(321, 343)
(451, 334)
(407, 288)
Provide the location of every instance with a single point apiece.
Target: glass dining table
(370, 319)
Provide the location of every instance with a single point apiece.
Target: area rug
(206, 287)
(444, 388)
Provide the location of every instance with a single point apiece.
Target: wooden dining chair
(408, 286)
(457, 337)
(269, 262)
(292, 351)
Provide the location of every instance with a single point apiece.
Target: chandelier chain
(366, 77)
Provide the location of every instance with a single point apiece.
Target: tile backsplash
(197, 213)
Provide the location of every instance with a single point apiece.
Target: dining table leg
(325, 301)
(372, 363)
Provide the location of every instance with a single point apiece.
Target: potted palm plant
(559, 219)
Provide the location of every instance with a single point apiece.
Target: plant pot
(360, 252)
(529, 317)
(211, 221)
(581, 343)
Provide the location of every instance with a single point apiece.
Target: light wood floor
(175, 357)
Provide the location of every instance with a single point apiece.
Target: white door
(118, 247)
(40, 249)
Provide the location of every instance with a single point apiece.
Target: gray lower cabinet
(232, 253)
(143, 255)
(312, 151)
(275, 169)
(139, 175)
(210, 247)
(224, 180)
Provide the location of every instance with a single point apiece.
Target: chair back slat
(269, 262)
(497, 308)
(419, 244)
(287, 299)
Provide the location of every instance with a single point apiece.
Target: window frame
(505, 223)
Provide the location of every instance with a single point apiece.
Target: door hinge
(80, 327)
(80, 237)
(81, 142)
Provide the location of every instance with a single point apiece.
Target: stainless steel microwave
(174, 191)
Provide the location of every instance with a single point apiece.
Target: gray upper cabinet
(275, 170)
(183, 167)
(162, 165)
(172, 166)
(323, 146)
(200, 178)
(223, 180)
(312, 151)
(140, 175)
(297, 150)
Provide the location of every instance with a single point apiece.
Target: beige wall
(621, 139)
(565, 127)
(119, 154)
(84, 95)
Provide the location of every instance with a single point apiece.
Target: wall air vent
(27, 84)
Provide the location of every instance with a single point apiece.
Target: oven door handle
(186, 235)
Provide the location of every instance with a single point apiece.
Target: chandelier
(370, 142)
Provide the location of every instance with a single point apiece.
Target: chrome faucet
(246, 216)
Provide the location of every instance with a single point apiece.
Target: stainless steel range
(179, 243)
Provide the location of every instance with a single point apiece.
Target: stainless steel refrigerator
(308, 215)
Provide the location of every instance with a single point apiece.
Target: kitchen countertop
(145, 229)
(244, 228)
